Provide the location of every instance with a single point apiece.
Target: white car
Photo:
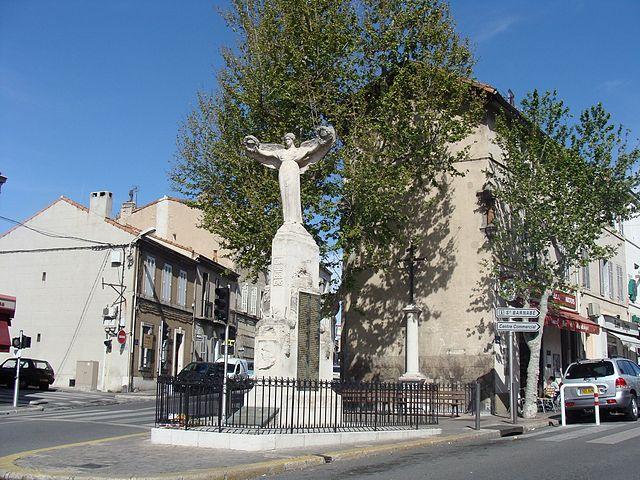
(237, 368)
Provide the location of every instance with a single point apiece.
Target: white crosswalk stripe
(617, 437)
(110, 414)
(55, 398)
(577, 433)
(605, 434)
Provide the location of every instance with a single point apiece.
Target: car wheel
(44, 386)
(632, 409)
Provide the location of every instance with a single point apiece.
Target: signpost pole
(224, 377)
(512, 394)
(16, 385)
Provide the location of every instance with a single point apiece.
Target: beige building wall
(457, 340)
(176, 221)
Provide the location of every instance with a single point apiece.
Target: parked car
(198, 372)
(36, 373)
(618, 382)
(237, 368)
(250, 369)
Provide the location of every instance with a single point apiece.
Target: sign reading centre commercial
(518, 326)
(510, 312)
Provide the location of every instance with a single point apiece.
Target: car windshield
(196, 367)
(590, 370)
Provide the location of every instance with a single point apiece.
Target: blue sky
(92, 93)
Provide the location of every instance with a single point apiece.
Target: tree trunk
(533, 369)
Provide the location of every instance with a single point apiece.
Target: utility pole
(16, 386)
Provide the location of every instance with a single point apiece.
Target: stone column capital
(412, 309)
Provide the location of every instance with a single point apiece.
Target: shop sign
(7, 305)
(570, 324)
(565, 300)
(147, 342)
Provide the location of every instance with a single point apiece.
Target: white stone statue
(291, 161)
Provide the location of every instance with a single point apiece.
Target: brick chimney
(100, 203)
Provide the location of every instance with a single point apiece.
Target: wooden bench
(454, 398)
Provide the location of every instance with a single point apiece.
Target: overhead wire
(52, 234)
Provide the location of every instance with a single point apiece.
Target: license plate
(586, 391)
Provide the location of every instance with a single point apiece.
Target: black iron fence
(455, 398)
(270, 405)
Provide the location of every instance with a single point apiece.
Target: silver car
(618, 382)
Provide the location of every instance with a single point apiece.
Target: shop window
(146, 347)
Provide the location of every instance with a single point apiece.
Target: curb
(252, 470)
(20, 410)
(273, 467)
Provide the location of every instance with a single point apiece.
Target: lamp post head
(2, 180)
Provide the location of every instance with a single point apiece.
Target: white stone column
(412, 351)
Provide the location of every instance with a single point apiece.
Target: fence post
(477, 404)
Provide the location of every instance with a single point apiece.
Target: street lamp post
(412, 313)
(3, 179)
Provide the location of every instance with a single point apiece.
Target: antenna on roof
(133, 192)
(512, 98)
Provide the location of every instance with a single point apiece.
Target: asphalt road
(581, 452)
(28, 431)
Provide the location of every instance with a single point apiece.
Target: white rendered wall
(66, 307)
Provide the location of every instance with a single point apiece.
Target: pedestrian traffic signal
(221, 304)
(26, 342)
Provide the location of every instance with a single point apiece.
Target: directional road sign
(510, 312)
(530, 327)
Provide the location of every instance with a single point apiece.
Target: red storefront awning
(5, 339)
(571, 321)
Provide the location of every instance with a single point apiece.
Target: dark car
(37, 373)
(200, 372)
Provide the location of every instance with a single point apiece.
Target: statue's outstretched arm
(317, 148)
(265, 153)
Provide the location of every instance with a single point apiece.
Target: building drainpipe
(134, 306)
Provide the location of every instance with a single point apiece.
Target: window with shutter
(610, 278)
(603, 278)
(149, 275)
(182, 288)
(166, 282)
(254, 300)
(619, 292)
(245, 297)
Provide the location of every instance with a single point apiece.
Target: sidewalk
(133, 456)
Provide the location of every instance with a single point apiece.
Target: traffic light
(221, 304)
(26, 342)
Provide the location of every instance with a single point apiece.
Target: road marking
(105, 416)
(545, 431)
(618, 437)
(578, 433)
(102, 413)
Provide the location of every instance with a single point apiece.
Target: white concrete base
(280, 441)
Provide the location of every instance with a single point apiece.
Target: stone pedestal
(295, 265)
(412, 373)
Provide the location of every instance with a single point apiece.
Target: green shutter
(633, 290)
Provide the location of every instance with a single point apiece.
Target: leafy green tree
(390, 76)
(562, 182)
